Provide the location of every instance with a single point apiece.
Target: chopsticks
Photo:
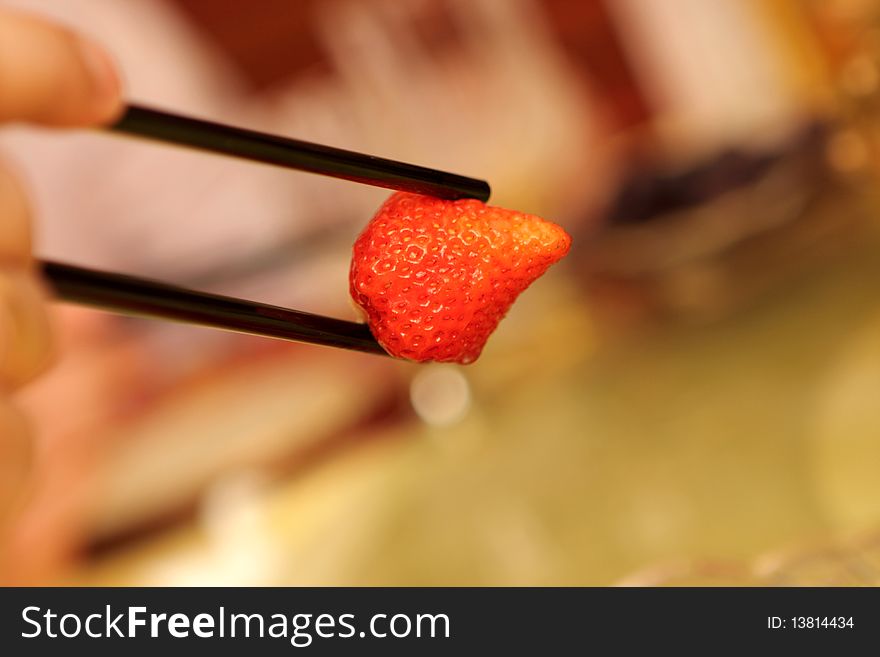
(137, 296)
(146, 298)
(294, 154)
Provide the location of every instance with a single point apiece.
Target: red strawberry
(435, 277)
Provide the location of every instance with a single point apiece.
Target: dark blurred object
(590, 38)
(700, 242)
(276, 42)
(268, 44)
(648, 191)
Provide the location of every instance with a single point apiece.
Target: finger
(25, 336)
(15, 237)
(50, 75)
(16, 456)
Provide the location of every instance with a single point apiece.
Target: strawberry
(435, 277)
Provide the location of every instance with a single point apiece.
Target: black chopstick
(295, 154)
(137, 296)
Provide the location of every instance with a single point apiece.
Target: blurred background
(692, 397)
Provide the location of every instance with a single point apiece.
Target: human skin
(52, 77)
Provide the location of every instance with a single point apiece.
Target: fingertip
(16, 461)
(53, 76)
(26, 344)
(15, 233)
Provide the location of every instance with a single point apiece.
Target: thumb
(52, 76)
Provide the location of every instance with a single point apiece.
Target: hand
(52, 77)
